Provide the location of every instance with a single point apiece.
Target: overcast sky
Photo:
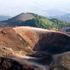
(14, 7)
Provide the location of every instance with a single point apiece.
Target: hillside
(59, 24)
(34, 20)
(28, 19)
(31, 48)
(29, 39)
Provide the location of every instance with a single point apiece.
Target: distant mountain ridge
(65, 17)
(2, 18)
(23, 17)
(34, 20)
(55, 13)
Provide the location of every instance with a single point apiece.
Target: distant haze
(14, 7)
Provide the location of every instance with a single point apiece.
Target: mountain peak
(23, 17)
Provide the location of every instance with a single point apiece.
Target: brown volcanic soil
(44, 40)
(34, 42)
(10, 42)
(26, 40)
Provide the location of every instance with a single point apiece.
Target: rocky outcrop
(9, 64)
(63, 60)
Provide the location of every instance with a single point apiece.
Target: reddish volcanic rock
(45, 40)
(39, 44)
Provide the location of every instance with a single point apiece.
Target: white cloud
(14, 7)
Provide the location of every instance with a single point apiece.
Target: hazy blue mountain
(2, 18)
(54, 13)
(65, 17)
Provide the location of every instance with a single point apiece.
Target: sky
(14, 7)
